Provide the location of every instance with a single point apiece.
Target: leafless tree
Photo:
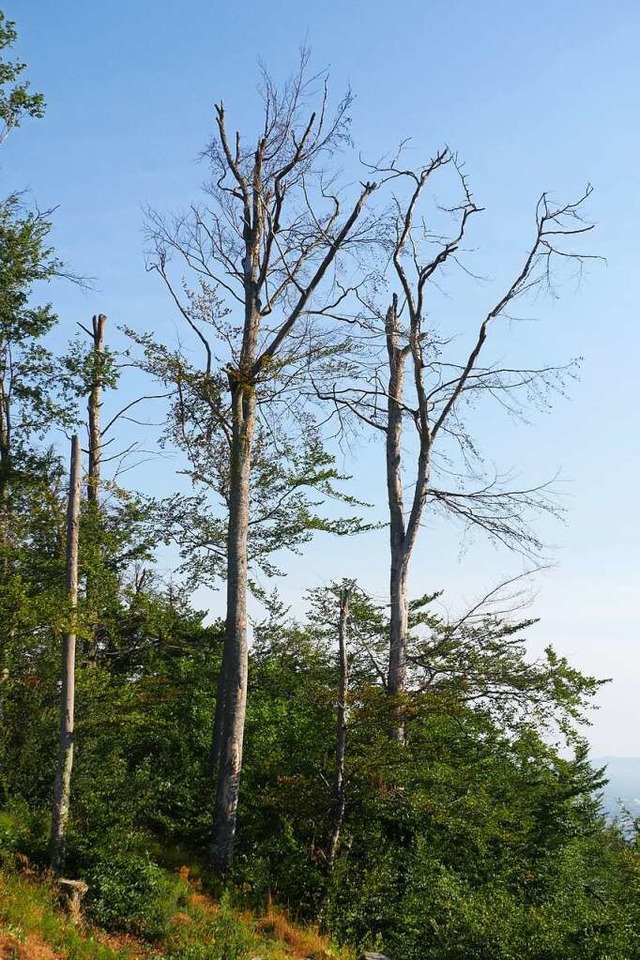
(94, 407)
(62, 788)
(339, 787)
(414, 384)
(269, 241)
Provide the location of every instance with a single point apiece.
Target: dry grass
(298, 941)
(31, 947)
(34, 927)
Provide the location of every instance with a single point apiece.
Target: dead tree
(62, 787)
(415, 385)
(268, 241)
(94, 428)
(94, 408)
(339, 790)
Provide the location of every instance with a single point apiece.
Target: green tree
(16, 100)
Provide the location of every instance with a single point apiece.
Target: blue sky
(533, 97)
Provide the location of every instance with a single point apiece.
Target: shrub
(23, 830)
(129, 892)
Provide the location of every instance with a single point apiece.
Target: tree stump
(71, 893)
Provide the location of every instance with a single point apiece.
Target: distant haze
(623, 789)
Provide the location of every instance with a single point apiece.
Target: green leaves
(16, 100)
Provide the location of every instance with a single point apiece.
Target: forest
(392, 777)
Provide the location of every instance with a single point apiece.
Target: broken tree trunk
(341, 733)
(94, 409)
(94, 406)
(62, 788)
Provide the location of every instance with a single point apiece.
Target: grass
(34, 926)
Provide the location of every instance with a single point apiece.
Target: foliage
(16, 101)
(296, 488)
(479, 837)
(128, 891)
(32, 925)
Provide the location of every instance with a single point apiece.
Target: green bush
(23, 830)
(232, 939)
(129, 892)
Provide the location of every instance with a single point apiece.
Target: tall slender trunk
(218, 723)
(235, 662)
(5, 454)
(261, 221)
(5, 470)
(94, 410)
(5, 443)
(339, 790)
(62, 787)
(399, 626)
(398, 579)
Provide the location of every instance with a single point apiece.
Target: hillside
(35, 926)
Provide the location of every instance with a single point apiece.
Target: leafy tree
(16, 100)
(293, 476)
(270, 241)
(472, 839)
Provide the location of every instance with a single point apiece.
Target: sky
(532, 97)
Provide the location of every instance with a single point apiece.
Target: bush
(129, 892)
(23, 830)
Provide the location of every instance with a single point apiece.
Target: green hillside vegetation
(365, 774)
(36, 925)
(473, 836)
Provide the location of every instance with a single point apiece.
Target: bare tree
(62, 787)
(416, 385)
(96, 384)
(339, 790)
(94, 407)
(269, 241)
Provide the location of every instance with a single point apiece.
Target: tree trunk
(398, 598)
(62, 788)
(5, 463)
(94, 408)
(218, 723)
(399, 626)
(5, 442)
(235, 661)
(341, 732)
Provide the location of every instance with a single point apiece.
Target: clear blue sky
(534, 97)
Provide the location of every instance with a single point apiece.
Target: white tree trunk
(94, 409)
(235, 661)
(340, 795)
(62, 788)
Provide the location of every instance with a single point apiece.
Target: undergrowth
(35, 926)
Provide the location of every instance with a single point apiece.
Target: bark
(235, 662)
(94, 408)
(341, 731)
(5, 468)
(218, 723)
(62, 788)
(235, 658)
(5, 442)
(398, 580)
(399, 625)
